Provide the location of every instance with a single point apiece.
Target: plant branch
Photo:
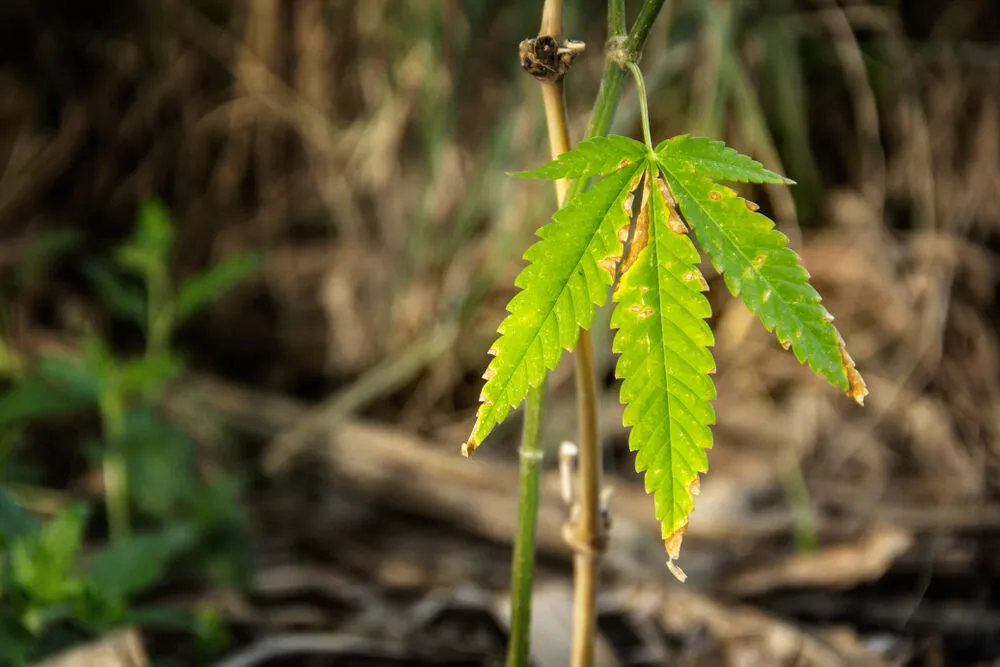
(640, 29)
(529, 475)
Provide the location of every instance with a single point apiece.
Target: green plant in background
(160, 510)
(652, 270)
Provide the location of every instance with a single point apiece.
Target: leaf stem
(640, 84)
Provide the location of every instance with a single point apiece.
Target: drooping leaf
(569, 273)
(715, 159)
(593, 157)
(758, 266)
(665, 363)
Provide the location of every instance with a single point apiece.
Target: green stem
(642, 103)
(115, 466)
(616, 18)
(527, 523)
(640, 29)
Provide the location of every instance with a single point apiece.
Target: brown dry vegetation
(363, 147)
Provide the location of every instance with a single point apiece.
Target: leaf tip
(856, 387)
(468, 447)
(673, 545)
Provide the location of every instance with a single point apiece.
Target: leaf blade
(759, 267)
(717, 160)
(594, 157)
(569, 272)
(665, 366)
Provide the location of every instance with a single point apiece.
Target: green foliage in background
(162, 512)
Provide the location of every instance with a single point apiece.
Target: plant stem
(640, 29)
(643, 107)
(589, 528)
(522, 571)
(116, 493)
(518, 651)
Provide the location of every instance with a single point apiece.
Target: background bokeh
(252, 255)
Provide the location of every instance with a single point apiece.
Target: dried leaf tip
(856, 387)
(673, 545)
(468, 447)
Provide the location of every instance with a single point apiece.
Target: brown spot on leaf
(609, 264)
(753, 206)
(695, 275)
(641, 312)
(758, 261)
(694, 488)
(489, 373)
(715, 196)
(623, 163)
(640, 236)
(785, 344)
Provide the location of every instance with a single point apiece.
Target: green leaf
(715, 159)
(757, 266)
(199, 291)
(44, 564)
(594, 157)
(665, 363)
(15, 521)
(133, 564)
(56, 387)
(126, 299)
(569, 273)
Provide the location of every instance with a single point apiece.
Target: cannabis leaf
(665, 364)
(660, 306)
(569, 273)
(755, 260)
(593, 157)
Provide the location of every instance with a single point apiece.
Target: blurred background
(252, 255)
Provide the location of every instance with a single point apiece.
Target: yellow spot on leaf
(766, 295)
(715, 196)
(758, 261)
